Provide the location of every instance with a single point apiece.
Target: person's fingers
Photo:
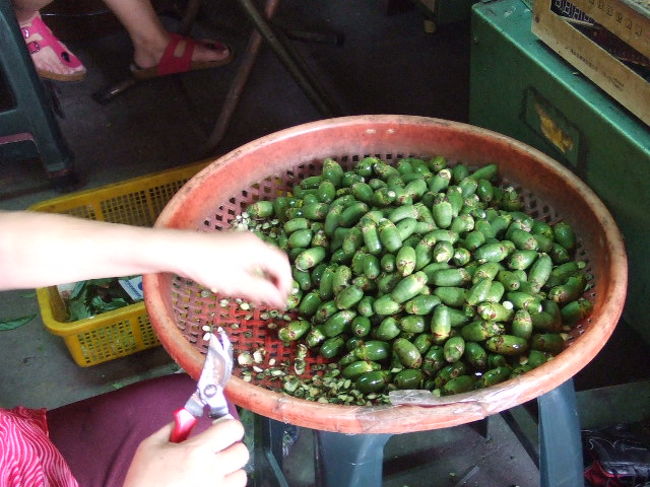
(162, 435)
(235, 479)
(233, 458)
(254, 288)
(259, 289)
(222, 434)
(276, 263)
(270, 259)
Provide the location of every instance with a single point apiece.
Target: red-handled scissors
(216, 372)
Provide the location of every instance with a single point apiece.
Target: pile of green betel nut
(420, 276)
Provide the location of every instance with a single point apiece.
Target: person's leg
(52, 58)
(98, 437)
(26, 9)
(150, 38)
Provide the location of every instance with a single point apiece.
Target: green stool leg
(32, 113)
(268, 453)
(560, 448)
(350, 460)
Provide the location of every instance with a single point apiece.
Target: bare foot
(43, 47)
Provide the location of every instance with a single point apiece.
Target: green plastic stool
(28, 128)
(356, 460)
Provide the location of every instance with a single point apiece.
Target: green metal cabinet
(521, 88)
(442, 12)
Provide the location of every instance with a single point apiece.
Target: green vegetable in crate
(293, 331)
(421, 305)
(412, 324)
(332, 347)
(495, 311)
(408, 353)
(315, 337)
(522, 324)
(450, 277)
(337, 323)
(475, 355)
(440, 323)
(497, 290)
(571, 290)
(454, 348)
(342, 276)
(423, 342)
(261, 209)
(449, 372)
(494, 376)
(373, 381)
(576, 311)
(422, 275)
(95, 296)
(561, 273)
(348, 297)
(462, 383)
(563, 235)
(361, 326)
(308, 259)
(480, 330)
(409, 287)
(547, 342)
(385, 305)
(453, 296)
(405, 260)
(408, 379)
(491, 252)
(355, 369)
(365, 306)
(443, 251)
(489, 270)
(506, 344)
(373, 350)
(389, 235)
(479, 292)
(387, 329)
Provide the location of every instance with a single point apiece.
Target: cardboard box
(629, 20)
(623, 83)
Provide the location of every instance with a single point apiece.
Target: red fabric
(27, 456)
(98, 436)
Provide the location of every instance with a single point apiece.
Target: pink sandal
(37, 26)
(170, 63)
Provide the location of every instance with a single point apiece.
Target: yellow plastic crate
(126, 330)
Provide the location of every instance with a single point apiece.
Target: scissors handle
(184, 422)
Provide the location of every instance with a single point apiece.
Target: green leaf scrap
(15, 323)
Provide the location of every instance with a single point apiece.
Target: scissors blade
(195, 405)
(216, 372)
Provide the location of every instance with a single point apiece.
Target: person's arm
(214, 457)
(40, 249)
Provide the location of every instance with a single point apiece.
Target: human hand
(232, 263)
(214, 457)
(238, 264)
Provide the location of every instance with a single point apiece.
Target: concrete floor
(386, 65)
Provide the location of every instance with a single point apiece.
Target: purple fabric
(98, 436)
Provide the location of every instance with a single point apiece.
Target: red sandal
(37, 27)
(170, 63)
